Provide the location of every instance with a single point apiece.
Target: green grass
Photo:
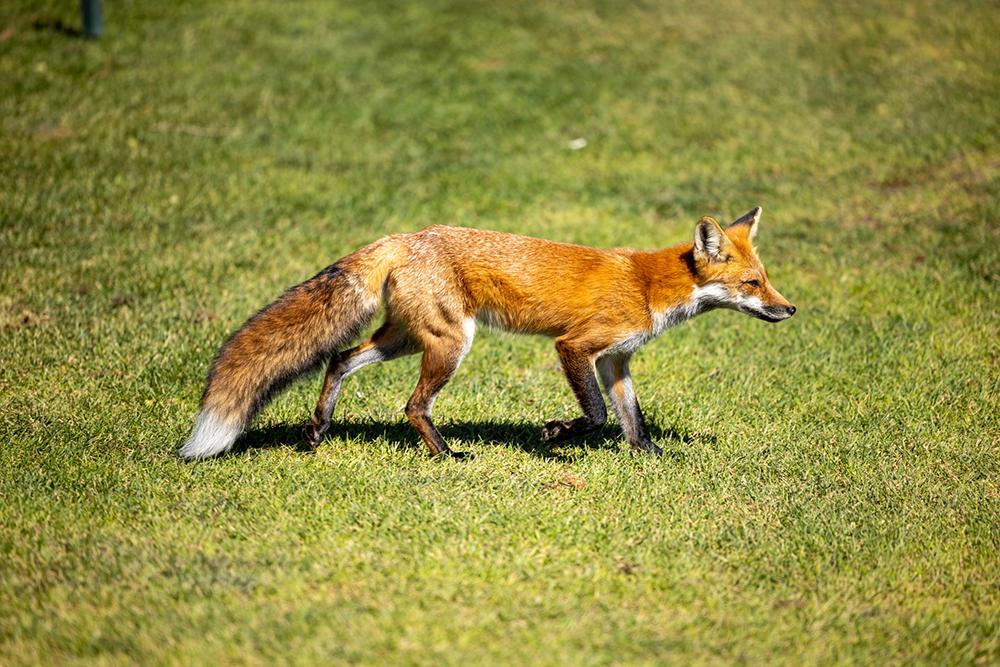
(837, 501)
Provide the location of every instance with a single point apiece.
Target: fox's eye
(753, 283)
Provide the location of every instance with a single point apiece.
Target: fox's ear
(710, 241)
(749, 220)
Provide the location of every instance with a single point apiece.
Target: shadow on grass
(524, 435)
(57, 26)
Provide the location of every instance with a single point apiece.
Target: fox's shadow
(524, 435)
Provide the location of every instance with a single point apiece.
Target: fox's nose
(791, 310)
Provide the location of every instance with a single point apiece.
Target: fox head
(728, 267)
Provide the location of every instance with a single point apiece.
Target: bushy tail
(292, 336)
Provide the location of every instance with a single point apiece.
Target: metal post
(93, 20)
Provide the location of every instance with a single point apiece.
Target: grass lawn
(837, 501)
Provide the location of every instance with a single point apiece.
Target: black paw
(311, 436)
(457, 456)
(555, 430)
(648, 447)
(651, 449)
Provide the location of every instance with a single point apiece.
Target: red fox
(599, 305)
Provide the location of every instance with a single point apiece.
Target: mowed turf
(833, 498)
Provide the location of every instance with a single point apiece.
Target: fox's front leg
(618, 386)
(579, 369)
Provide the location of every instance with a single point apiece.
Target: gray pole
(93, 21)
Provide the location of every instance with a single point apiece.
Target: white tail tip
(211, 435)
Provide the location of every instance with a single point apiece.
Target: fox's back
(528, 284)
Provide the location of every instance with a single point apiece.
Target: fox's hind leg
(390, 341)
(443, 352)
(578, 366)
